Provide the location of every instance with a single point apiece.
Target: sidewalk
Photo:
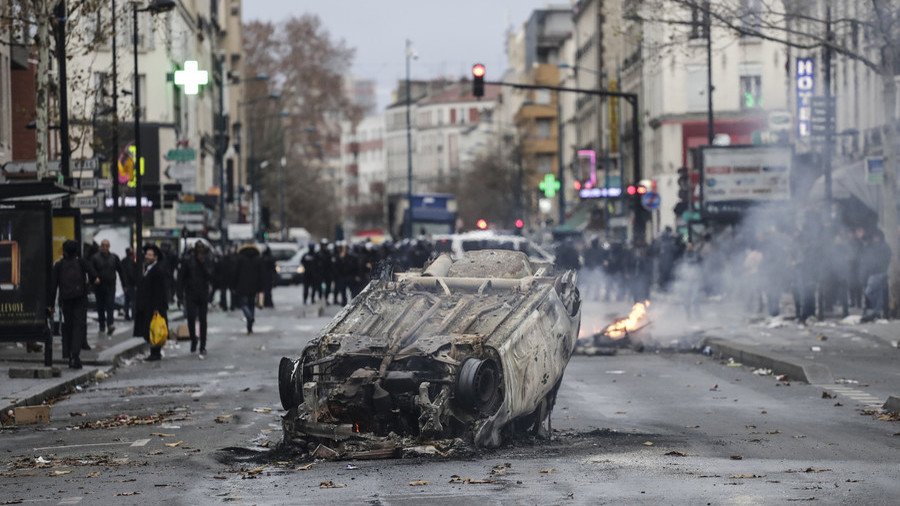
(105, 353)
(857, 360)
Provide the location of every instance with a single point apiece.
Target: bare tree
(306, 68)
(801, 24)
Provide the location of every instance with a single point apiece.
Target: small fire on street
(636, 320)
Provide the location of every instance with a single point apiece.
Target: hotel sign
(806, 88)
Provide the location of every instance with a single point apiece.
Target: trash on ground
(418, 483)
(676, 453)
(331, 484)
(762, 372)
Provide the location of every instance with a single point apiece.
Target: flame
(356, 427)
(620, 328)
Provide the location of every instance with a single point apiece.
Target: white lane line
(201, 393)
(70, 500)
(140, 442)
(858, 396)
(79, 446)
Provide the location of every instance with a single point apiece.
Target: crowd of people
(757, 264)
(824, 273)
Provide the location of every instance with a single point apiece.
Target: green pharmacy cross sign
(550, 185)
(191, 78)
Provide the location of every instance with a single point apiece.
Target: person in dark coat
(311, 280)
(195, 278)
(873, 267)
(269, 274)
(151, 297)
(71, 277)
(248, 282)
(107, 267)
(129, 276)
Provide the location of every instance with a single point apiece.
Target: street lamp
(155, 7)
(410, 55)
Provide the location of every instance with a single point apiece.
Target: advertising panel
(735, 177)
(25, 249)
(66, 227)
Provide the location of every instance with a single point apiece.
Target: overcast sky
(448, 36)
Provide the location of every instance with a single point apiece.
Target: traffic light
(478, 72)
(684, 192)
(520, 223)
(482, 224)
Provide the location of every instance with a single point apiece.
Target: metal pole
(639, 223)
(113, 165)
(281, 197)
(710, 127)
(138, 183)
(829, 114)
(220, 148)
(560, 158)
(409, 167)
(66, 150)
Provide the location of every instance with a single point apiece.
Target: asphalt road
(636, 428)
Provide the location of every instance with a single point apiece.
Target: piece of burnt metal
(473, 348)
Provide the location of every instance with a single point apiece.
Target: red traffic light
(631, 190)
(642, 189)
(577, 184)
(482, 224)
(478, 70)
(520, 223)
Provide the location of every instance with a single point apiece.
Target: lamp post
(155, 7)
(113, 165)
(410, 54)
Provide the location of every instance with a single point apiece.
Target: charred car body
(470, 348)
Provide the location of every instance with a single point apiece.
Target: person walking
(71, 277)
(151, 297)
(194, 281)
(107, 266)
(269, 275)
(247, 282)
(129, 276)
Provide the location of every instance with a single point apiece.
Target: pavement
(661, 426)
(105, 354)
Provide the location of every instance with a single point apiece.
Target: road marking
(80, 446)
(70, 500)
(140, 442)
(864, 398)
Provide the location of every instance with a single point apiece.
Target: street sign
(94, 184)
(181, 155)
(822, 120)
(92, 202)
(650, 201)
(875, 170)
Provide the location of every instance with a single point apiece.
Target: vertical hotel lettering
(10, 260)
(806, 88)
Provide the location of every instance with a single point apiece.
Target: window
(695, 85)
(452, 116)
(751, 92)
(543, 128)
(751, 16)
(473, 115)
(699, 23)
(544, 164)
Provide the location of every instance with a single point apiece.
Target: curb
(108, 362)
(795, 369)
(37, 395)
(892, 405)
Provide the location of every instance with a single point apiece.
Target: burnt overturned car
(473, 348)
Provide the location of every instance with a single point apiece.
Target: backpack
(71, 279)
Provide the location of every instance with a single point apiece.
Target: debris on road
(731, 363)
(501, 469)
(647, 443)
(418, 483)
(305, 467)
(351, 467)
(548, 470)
(675, 453)
(224, 418)
(826, 395)
(331, 484)
(264, 411)
(762, 372)
(124, 420)
(736, 457)
(175, 444)
(470, 481)
(31, 415)
(745, 476)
